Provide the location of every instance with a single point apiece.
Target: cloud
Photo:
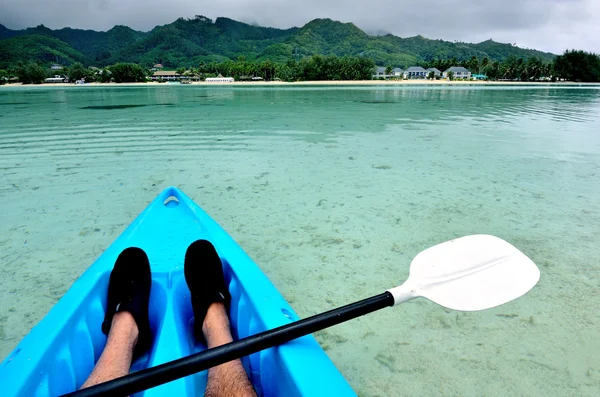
(550, 25)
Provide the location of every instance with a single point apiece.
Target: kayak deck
(60, 352)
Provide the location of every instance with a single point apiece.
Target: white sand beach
(321, 82)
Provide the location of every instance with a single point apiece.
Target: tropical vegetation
(312, 68)
(127, 73)
(571, 66)
(188, 42)
(512, 68)
(31, 73)
(578, 66)
(79, 72)
(37, 48)
(321, 50)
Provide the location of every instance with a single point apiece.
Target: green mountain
(37, 47)
(99, 46)
(502, 51)
(187, 42)
(6, 33)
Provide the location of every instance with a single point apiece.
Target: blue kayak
(58, 354)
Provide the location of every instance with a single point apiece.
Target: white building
(219, 80)
(415, 72)
(397, 72)
(379, 73)
(436, 72)
(459, 73)
(56, 79)
(166, 75)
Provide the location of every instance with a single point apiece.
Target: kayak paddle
(470, 273)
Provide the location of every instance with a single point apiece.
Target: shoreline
(316, 83)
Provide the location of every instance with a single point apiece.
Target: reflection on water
(332, 190)
(108, 107)
(333, 111)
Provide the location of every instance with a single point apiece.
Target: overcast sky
(549, 25)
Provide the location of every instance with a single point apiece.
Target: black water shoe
(129, 291)
(204, 276)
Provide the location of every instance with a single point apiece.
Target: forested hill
(187, 42)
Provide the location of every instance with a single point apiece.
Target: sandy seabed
(332, 192)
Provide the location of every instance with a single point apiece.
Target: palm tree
(473, 64)
(534, 68)
(493, 70)
(485, 62)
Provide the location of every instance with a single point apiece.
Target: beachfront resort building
(57, 79)
(415, 72)
(165, 75)
(459, 72)
(436, 72)
(379, 73)
(220, 79)
(398, 73)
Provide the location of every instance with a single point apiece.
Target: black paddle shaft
(194, 363)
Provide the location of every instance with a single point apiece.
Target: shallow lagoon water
(332, 191)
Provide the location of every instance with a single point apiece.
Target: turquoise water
(332, 191)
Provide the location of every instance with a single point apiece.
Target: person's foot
(204, 276)
(129, 291)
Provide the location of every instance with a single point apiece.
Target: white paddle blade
(470, 273)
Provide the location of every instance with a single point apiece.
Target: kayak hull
(59, 353)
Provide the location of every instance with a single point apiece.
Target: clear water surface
(333, 191)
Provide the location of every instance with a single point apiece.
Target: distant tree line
(512, 68)
(34, 73)
(578, 66)
(30, 73)
(127, 73)
(314, 68)
(119, 73)
(572, 66)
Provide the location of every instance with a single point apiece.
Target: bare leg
(115, 360)
(227, 379)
